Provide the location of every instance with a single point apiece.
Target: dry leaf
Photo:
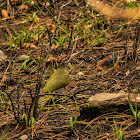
(2, 56)
(33, 46)
(35, 39)
(23, 7)
(30, 45)
(54, 47)
(32, 3)
(51, 59)
(99, 67)
(117, 67)
(27, 45)
(51, 26)
(60, 58)
(88, 26)
(138, 68)
(127, 73)
(4, 13)
(44, 3)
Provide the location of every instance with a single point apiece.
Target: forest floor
(104, 60)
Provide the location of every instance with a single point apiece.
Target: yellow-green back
(59, 79)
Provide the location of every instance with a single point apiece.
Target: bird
(59, 79)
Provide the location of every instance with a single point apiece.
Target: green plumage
(59, 79)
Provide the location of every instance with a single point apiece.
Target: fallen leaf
(33, 46)
(117, 67)
(44, 3)
(54, 46)
(51, 59)
(27, 45)
(60, 58)
(2, 56)
(4, 13)
(88, 26)
(127, 73)
(23, 7)
(35, 39)
(30, 45)
(138, 68)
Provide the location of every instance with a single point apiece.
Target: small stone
(24, 137)
(2, 56)
(80, 75)
(138, 98)
(23, 57)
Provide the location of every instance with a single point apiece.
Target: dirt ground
(103, 61)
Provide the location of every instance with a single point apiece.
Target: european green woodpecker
(59, 79)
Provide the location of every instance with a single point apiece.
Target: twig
(135, 44)
(13, 107)
(69, 46)
(5, 73)
(47, 10)
(53, 3)
(52, 39)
